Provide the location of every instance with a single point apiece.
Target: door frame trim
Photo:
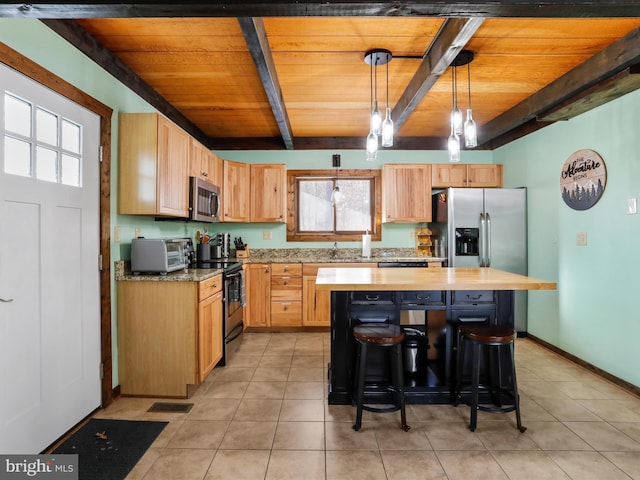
(29, 68)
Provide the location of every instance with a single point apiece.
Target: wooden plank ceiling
(317, 88)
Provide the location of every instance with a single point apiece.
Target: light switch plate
(117, 233)
(137, 232)
(581, 238)
(632, 206)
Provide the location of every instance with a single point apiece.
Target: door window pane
(70, 136)
(17, 115)
(70, 174)
(46, 127)
(17, 157)
(47, 164)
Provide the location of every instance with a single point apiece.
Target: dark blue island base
(433, 384)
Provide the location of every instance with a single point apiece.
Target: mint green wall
(594, 313)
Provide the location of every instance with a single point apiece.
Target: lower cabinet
(286, 294)
(169, 335)
(258, 295)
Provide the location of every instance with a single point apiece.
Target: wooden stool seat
(379, 335)
(491, 338)
(490, 334)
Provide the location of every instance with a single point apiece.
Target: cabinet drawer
(286, 294)
(473, 297)
(208, 287)
(481, 315)
(286, 269)
(372, 298)
(286, 313)
(436, 297)
(286, 282)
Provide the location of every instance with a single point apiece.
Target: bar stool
(489, 339)
(386, 336)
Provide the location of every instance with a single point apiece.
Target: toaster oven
(158, 255)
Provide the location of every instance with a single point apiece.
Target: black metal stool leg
(362, 366)
(457, 393)
(475, 380)
(398, 384)
(516, 396)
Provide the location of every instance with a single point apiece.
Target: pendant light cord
(469, 82)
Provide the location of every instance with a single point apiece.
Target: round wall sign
(583, 178)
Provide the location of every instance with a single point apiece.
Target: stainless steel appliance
(485, 227)
(159, 255)
(204, 201)
(234, 300)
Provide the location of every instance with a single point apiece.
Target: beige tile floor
(265, 416)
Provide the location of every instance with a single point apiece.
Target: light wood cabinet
(205, 164)
(286, 295)
(316, 305)
(153, 166)
(406, 193)
(236, 191)
(209, 325)
(466, 175)
(268, 193)
(169, 335)
(258, 295)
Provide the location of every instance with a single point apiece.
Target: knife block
(243, 253)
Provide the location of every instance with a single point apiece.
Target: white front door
(49, 277)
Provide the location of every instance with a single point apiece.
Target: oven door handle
(233, 334)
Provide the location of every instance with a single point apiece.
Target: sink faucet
(334, 249)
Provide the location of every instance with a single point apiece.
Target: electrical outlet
(581, 238)
(117, 233)
(412, 234)
(137, 232)
(632, 206)
(266, 234)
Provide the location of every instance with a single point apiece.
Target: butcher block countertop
(386, 279)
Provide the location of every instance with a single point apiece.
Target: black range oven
(234, 300)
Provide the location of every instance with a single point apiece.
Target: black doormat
(109, 449)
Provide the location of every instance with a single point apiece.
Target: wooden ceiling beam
(289, 8)
(452, 37)
(607, 63)
(92, 48)
(256, 37)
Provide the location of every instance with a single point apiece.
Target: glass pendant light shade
(453, 146)
(336, 196)
(387, 130)
(456, 120)
(470, 131)
(372, 146)
(376, 118)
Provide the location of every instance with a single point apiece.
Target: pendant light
(387, 124)
(456, 114)
(453, 142)
(378, 128)
(336, 194)
(470, 130)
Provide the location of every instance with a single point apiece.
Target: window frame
(293, 233)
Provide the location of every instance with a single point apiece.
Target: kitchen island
(464, 295)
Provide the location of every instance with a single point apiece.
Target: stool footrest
(390, 408)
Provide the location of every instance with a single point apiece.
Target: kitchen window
(316, 216)
(40, 144)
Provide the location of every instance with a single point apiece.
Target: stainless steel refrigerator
(485, 227)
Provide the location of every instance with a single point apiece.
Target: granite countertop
(279, 255)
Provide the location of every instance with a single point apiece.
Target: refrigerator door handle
(482, 239)
(487, 258)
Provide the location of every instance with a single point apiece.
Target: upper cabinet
(205, 164)
(268, 193)
(406, 193)
(153, 166)
(466, 175)
(236, 191)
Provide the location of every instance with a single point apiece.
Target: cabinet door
(198, 166)
(236, 191)
(316, 304)
(406, 193)
(258, 293)
(173, 170)
(268, 193)
(209, 334)
(484, 175)
(444, 175)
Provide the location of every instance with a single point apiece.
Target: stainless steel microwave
(204, 201)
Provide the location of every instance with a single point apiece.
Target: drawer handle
(286, 269)
(423, 298)
(474, 297)
(372, 297)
